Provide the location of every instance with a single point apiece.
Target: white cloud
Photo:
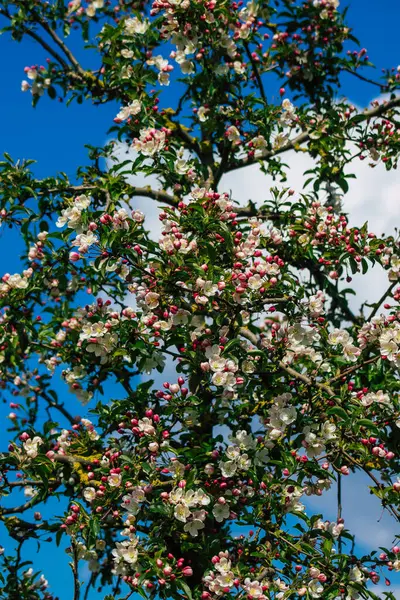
(372, 526)
(381, 589)
(374, 196)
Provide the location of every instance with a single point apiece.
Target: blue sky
(55, 135)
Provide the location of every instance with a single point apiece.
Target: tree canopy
(274, 389)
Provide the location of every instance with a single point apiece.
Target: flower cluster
(151, 141)
(184, 502)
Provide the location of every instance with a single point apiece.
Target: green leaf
(338, 411)
(94, 530)
(231, 344)
(184, 586)
(59, 535)
(52, 92)
(370, 425)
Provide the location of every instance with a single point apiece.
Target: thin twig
(60, 407)
(382, 86)
(40, 41)
(352, 369)
(379, 302)
(74, 567)
(256, 73)
(339, 507)
(292, 372)
(307, 380)
(378, 484)
(89, 585)
(145, 191)
(63, 47)
(21, 508)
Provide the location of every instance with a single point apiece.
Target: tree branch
(60, 407)
(339, 507)
(307, 380)
(291, 145)
(289, 370)
(382, 86)
(256, 73)
(379, 302)
(134, 191)
(63, 46)
(352, 369)
(304, 136)
(40, 41)
(378, 484)
(21, 508)
(74, 567)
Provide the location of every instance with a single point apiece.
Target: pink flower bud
(302, 591)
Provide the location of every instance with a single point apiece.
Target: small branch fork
(69, 64)
(62, 46)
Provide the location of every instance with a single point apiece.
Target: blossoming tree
(274, 388)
